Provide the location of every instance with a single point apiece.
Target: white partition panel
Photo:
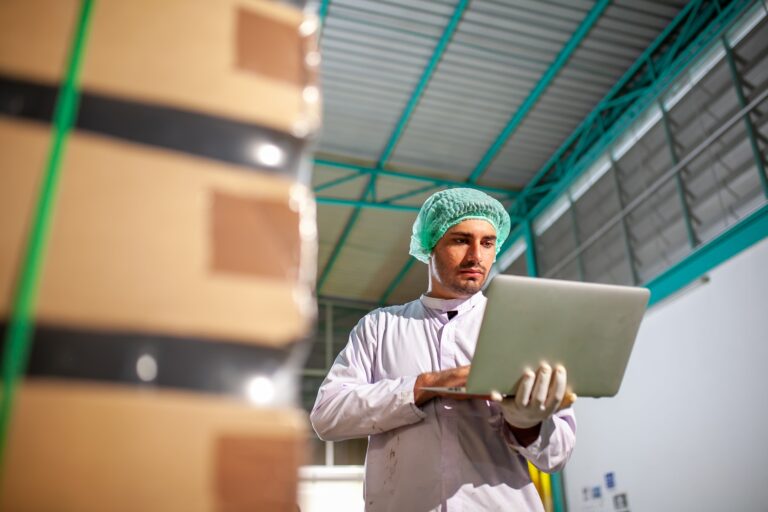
(689, 427)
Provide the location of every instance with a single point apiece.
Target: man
(428, 452)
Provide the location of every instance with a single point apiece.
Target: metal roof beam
(660, 181)
(429, 70)
(437, 54)
(601, 128)
(322, 15)
(642, 83)
(376, 172)
(533, 97)
(638, 82)
(383, 205)
(397, 280)
(351, 221)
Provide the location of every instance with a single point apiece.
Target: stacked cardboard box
(176, 290)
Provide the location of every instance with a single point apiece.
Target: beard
(451, 278)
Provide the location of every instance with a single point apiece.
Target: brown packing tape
(185, 54)
(268, 47)
(82, 448)
(254, 237)
(134, 247)
(257, 473)
(35, 36)
(23, 150)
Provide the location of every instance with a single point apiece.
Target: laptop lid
(588, 328)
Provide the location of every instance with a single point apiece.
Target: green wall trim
(749, 231)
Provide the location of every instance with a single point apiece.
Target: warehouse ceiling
(420, 95)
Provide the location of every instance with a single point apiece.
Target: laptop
(588, 328)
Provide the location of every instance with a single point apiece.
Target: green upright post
(624, 227)
(576, 237)
(738, 85)
(558, 496)
(681, 191)
(530, 249)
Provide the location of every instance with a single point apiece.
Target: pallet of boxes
(175, 294)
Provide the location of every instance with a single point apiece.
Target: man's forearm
(350, 410)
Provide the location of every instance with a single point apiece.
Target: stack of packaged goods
(175, 295)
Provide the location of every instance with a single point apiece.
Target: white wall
(689, 427)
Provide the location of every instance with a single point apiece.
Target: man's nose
(475, 253)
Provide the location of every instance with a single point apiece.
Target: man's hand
(537, 397)
(455, 377)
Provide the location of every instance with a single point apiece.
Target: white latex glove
(537, 397)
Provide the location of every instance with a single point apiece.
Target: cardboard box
(79, 448)
(149, 241)
(184, 228)
(250, 60)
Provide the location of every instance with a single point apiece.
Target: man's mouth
(472, 272)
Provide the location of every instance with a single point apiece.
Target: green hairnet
(444, 209)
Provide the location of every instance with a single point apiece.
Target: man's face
(460, 261)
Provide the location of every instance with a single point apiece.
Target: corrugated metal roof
(373, 55)
(619, 37)
(495, 57)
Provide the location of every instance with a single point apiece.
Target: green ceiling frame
(362, 170)
(397, 280)
(426, 75)
(538, 90)
(676, 47)
(680, 43)
(383, 205)
(322, 14)
(752, 132)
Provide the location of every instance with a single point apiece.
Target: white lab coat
(447, 455)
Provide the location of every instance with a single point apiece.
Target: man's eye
(460, 240)
(489, 244)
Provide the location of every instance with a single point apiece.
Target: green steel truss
(538, 90)
(358, 171)
(697, 24)
(702, 258)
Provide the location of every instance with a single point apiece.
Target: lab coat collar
(445, 305)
